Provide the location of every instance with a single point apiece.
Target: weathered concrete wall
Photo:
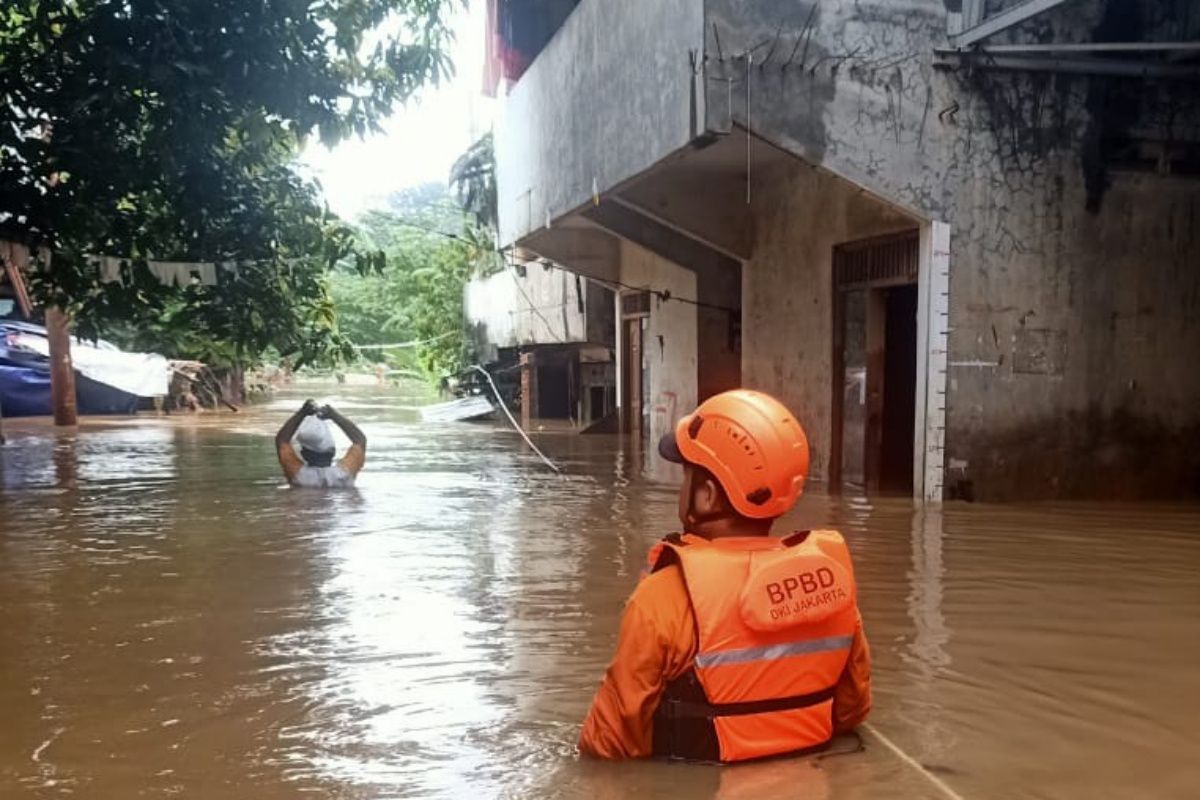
(1073, 286)
(543, 307)
(787, 290)
(601, 313)
(847, 84)
(670, 346)
(1074, 342)
(1074, 291)
(609, 96)
(719, 351)
(850, 85)
(717, 298)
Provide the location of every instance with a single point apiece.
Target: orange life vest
(775, 619)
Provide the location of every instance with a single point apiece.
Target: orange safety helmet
(751, 444)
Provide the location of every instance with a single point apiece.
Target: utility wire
(427, 229)
(513, 420)
(404, 345)
(663, 295)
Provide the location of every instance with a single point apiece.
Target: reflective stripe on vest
(775, 621)
(775, 651)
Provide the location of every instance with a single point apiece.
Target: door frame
(879, 271)
(632, 306)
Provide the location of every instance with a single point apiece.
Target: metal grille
(882, 260)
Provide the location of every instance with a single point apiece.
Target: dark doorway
(899, 390)
(554, 397)
(874, 364)
(597, 403)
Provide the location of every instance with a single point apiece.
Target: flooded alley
(176, 622)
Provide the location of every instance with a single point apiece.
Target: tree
(165, 129)
(418, 295)
(473, 177)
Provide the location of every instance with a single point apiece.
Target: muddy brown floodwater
(175, 622)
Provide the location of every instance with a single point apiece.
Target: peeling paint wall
(787, 318)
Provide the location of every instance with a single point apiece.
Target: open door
(635, 311)
(875, 364)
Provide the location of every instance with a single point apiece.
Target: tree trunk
(62, 372)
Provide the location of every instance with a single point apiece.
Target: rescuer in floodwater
(735, 645)
(314, 467)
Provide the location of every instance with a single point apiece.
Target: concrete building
(548, 334)
(959, 238)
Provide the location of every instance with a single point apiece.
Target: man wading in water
(735, 645)
(314, 467)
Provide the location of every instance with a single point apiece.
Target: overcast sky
(420, 142)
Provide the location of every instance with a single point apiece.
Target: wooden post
(529, 381)
(62, 372)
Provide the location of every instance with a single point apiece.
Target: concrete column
(933, 333)
(62, 372)
(529, 399)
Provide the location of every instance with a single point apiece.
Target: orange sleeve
(290, 462)
(852, 696)
(656, 645)
(354, 459)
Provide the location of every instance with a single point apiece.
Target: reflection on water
(174, 621)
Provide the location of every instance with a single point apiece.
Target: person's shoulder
(661, 596)
(828, 533)
(354, 460)
(665, 580)
(822, 537)
(291, 463)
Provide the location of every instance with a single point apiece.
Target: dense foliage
(164, 129)
(418, 295)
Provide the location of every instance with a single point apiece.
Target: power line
(434, 231)
(404, 345)
(664, 295)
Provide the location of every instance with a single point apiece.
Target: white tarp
(141, 374)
